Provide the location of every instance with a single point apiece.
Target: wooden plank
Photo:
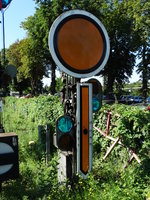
(119, 142)
(111, 148)
(129, 161)
(106, 136)
(137, 158)
(108, 122)
(7, 134)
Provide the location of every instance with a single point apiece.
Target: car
(138, 99)
(109, 100)
(127, 99)
(148, 100)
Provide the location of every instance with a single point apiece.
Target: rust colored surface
(85, 126)
(80, 44)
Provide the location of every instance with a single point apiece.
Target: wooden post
(135, 156)
(39, 133)
(108, 122)
(111, 148)
(47, 143)
(119, 142)
(108, 137)
(129, 161)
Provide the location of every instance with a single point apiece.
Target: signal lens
(65, 133)
(96, 104)
(64, 124)
(65, 142)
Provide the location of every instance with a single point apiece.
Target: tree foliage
(22, 55)
(127, 24)
(139, 11)
(122, 42)
(113, 15)
(37, 28)
(31, 63)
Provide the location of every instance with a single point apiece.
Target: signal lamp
(65, 133)
(4, 3)
(9, 163)
(97, 94)
(96, 104)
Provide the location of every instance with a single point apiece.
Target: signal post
(79, 45)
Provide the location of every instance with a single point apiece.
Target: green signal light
(96, 104)
(64, 124)
(65, 133)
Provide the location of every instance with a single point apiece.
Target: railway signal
(96, 94)
(65, 133)
(4, 3)
(9, 164)
(79, 45)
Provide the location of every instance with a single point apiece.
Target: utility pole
(3, 6)
(3, 25)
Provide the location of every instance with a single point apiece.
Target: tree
(139, 11)
(32, 68)
(26, 58)
(13, 55)
(122, 42)
(112, 13)
(5, 78)
(37, 28)
(59, 84)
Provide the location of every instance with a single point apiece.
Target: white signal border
(51, 43)
(4, 149)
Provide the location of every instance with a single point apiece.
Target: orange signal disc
(80, 44)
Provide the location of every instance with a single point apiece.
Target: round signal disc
(79, 43)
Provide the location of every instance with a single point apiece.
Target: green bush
(25, 114)
(130, 123)
(108, 179)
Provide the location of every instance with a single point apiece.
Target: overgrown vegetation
(108, 180)
(25, 114)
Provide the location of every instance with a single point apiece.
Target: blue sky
(17, 12)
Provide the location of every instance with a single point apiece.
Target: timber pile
(116, 141)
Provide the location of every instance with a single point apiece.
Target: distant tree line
(127, 23)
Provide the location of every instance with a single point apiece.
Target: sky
(18, 11)
(15, 13)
